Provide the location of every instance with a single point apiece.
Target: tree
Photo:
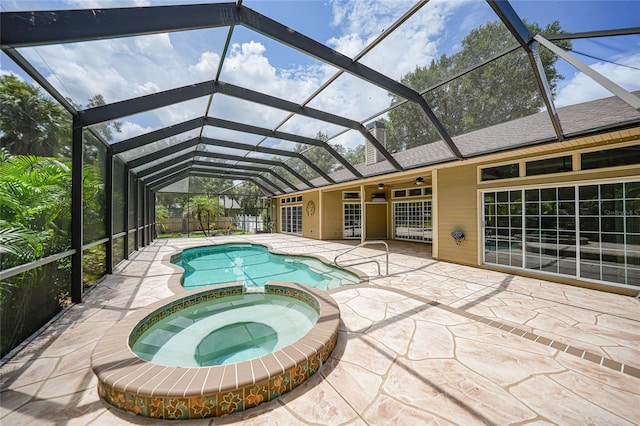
(202, 208)
(355, 155)
(35, 222)
(250, 198)
(500, 91)
(207, 185)
(162, 218)
(31, 123)
(35, 197)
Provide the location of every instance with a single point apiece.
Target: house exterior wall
(377, 220)
(457, 196)
(457, 208)
(332, 215)
(311, 222)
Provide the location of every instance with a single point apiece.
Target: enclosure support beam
(76, 211)
(614, 88)
(109, 212)
(136, 210)
(127, 225)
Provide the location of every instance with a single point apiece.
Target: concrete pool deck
(432, 342)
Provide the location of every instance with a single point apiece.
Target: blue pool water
(255, 266)
(226, 331)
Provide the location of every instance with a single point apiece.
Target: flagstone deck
(431, 343)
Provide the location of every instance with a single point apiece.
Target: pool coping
(152, 390)
(175, 281)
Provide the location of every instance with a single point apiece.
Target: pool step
(329, 284)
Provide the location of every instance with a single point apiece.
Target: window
(625, 156)
(590, 232)
(549, 165)
(291, 219)
(352, 216)
(353, 195)
(412, 221)
(412, 192)
(500, 172)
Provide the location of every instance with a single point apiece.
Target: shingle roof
(600, 114)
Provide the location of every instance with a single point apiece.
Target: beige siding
(311, 224)
(376, 221)
(458, 208)
(332, 215)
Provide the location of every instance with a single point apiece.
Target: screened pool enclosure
(111, 112)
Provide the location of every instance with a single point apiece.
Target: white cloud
(127, 67)
(581, 88)
(415, 43)
(248, 65)
(207, 66)
(130, 130)
(7, 72)
(103, 4)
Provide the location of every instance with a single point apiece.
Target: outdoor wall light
(419, 180)
(381, 186)
(458, 235)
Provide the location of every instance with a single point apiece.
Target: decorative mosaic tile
(314, 363)
(135, 404)
(230, 402)
(155, 407)
(299, 374)
(279, 384)
(178, 408)
(202, 406)
(256, 394)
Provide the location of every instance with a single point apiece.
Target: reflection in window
(351, 215)
(291, 219)
(550, 230)
(501, 172)
(588, 231)
(626, 156)
(549, 165)
(353, 195)
(503, 228)
(412, 221)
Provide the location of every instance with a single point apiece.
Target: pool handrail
(366, 243)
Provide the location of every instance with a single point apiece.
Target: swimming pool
(159, 391)
(255, 265)
(225, 331)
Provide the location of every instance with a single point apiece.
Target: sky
(122, 68)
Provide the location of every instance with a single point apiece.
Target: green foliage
(355, 155)
(34, 207)
(203, 209)
(500, 91)
(35, 223)
(31, 124)
(206, 185)
(250, 199)
(162, 218)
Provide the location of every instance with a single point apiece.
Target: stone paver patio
(431, 343)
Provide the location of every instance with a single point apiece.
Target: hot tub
(184, 390)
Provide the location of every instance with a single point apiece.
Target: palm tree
(202, 207)
(35, 200)
(35, 222)
(31, 124)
